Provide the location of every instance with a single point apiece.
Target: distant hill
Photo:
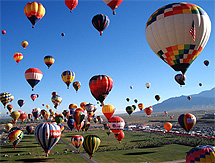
(203, 100)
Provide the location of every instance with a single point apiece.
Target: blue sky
(121, 53)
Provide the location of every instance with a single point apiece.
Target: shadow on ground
(138, 153)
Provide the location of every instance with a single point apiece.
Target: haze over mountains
(203, 100)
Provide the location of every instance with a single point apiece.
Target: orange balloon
(108, 111)
(167, 126)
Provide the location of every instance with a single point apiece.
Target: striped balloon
(116, 124)
(5, 98)
(187, 121)
(91, 144)
(68, 77)
(29, 129)
(33, 76)
(77, 140)
(49, 60)
(47, 135)
(204, 153)
(100, 22)
(18, 57)
(141, 106)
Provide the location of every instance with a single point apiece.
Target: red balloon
(148, 110)
(100, 86)
(116, 124)
(3, 32)
(119, 136)
(71, 4)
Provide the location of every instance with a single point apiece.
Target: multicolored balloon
(24, 44)
(182, 46)
(5, 98)
(148, 110)
(76, 85)
(116, 124)
(100, 22)
(187, 121)
(157, 97)
(8, 126)
(113, 4)
(91, 144)
(34, 96)
(33, 76)
(29, 129)
(77, 140)
(140, 106)
(56, 100)
(47, 135)
(200, 154)
(15, 136)
(68, 77)
(18, 57)
(180, 79)
(34, 12)
(23, 116)
(10, 108)
(49, 60)
(108, 111)
(107, 129)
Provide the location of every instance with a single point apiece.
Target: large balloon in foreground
(34, 12)
(91, 144)
(201, 154)
(49, 60)
(18, 57)
(108, 111)
(68, 77)
(177, 33)
(15, 136)
(187, 121)
(113, 4)
(5, 98)
(180, 79)
(100, 86)
(47, 135)
(167, 126)
(33, 76)
(71, 4)
(24, 44)
(100, 22)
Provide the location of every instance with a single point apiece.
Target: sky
(122, 53)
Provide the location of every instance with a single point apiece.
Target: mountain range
(203, 100)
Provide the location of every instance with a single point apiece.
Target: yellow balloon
(24, 44)
(15, 115)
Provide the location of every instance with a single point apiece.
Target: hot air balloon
(87, 126)
(47, 135)
(33, 97)
(3, 32)
(187, 121)
(8, 126)
(56, 100)
(70, 122)
(119, 136)
(113, 4)
(33, 76)
(107, 129)
(15, 115)
(127, 99)
(36, 115)
(91, 144)
(206, 62)
(29, 129)
(61, 127)
(200, 84)
(76, 85)
(71, 4)
(176, 40)
(116, 124)
(108, 111)
(201, 154)
(188, 97)
(148, 110)
(82, 105)
(100, 120)
(47, 106)
(95, 120)
(34, 12)
(21, 102)
(90, 108)
(100, 86)
(10, 108)
(131, 87)
(59, 118)
(49, 60)
(78, 118)
(157, 97)
(140, 106)
(129, 109)
(23, 116)
(180, 79)
(77, 140)
(62, 34)
(18, 57)
(46, 115)
(5, 98)
(24, 44)
(100, 22)
(15, 136)
(167, 126)
(148, 85)
(54, 93)
(165, 112)
(68, 77)
(72, 108)
(135, 100)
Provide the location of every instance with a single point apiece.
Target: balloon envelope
(49, 60)
(5, 98)
(168, 126)
(108, 111)
(77, 140)
(33, 76)
(68, 77)
(100, 22)
(116, 124)
(187, 121)
(15, 136)
(91, 144)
